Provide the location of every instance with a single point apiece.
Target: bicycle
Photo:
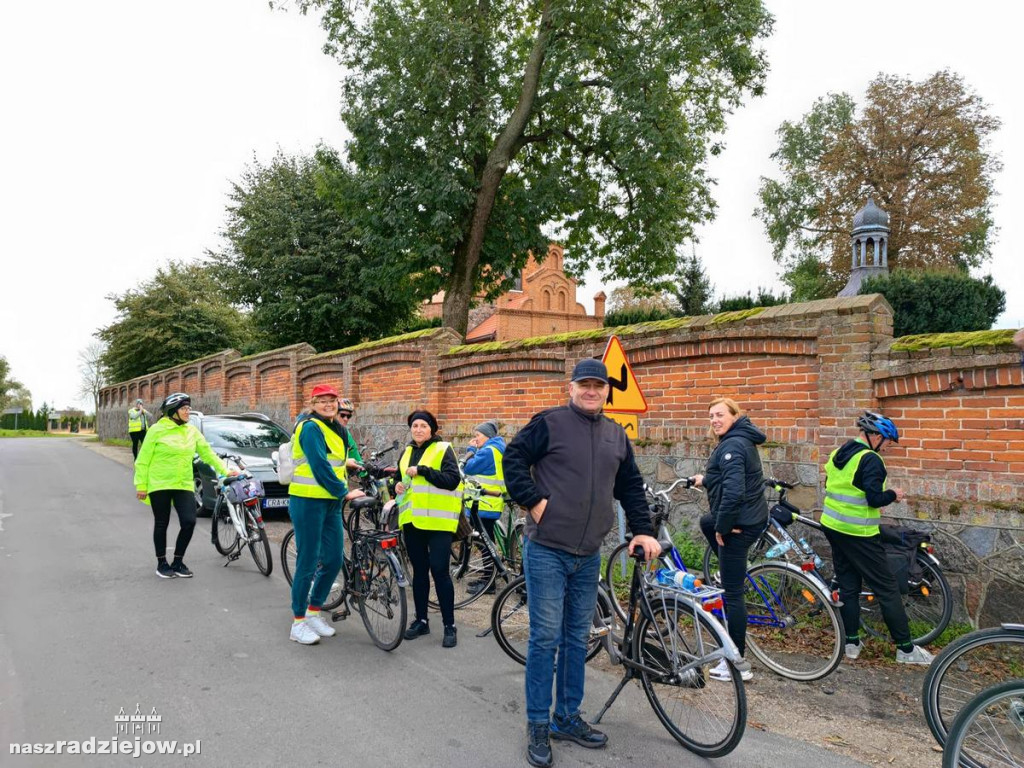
(237, 518)
(476, 562)
(989, 731)
(967, 666)
(928, 600)
(669, 641)
(793, 623)
(372, 577)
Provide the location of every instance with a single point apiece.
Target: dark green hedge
(938, 302)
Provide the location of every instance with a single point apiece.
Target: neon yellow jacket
(165, 459)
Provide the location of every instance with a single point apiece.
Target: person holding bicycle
(566, 466)
(484, 464)
(739, 513)
(164, 476)
(429, 505)
(316, 493)
(855, 490)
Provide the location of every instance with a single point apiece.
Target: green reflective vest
(303, 483)
(423, 504)
(495, 482)
(136, 420)
(846, 507)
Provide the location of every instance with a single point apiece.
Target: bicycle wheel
(259, 546)
(359, 521)
(288, 554)
(706, 717)
(792, 628)
(510, 622)
(225, 535)
(755, 554)
(989, 731)
(472, 571)
(964, 668)
(619, 578)
(382, 602)
(929, 606)
(514, 545)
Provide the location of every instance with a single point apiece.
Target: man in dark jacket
(565, 467)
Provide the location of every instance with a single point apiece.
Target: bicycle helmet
(173, 402)
(346, 405)
(877, 424)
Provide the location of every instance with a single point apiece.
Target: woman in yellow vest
(315, 499)
(855, 490)
(430, 502)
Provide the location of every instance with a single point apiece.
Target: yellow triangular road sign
(624, 393)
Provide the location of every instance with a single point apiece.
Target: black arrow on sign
(620, 384)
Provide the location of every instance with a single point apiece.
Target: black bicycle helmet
(877, 424)
(173, 402)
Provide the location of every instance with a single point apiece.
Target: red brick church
(543, 301)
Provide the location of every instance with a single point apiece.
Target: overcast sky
(123, 123)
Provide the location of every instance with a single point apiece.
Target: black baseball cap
(590, 369)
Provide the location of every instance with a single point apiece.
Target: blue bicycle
(793, 623)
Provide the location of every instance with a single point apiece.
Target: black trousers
(732, 567)
(430, 555)
(185, 505)
(859, 559)
(137, 438)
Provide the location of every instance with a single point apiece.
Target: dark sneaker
(575, 728)
(476, 587)
(417, 628)
(449, 638)
(181, 571)
(164, 571)
(538, 746)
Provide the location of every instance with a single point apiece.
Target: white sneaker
(321, 627)
(853, 651)
(723, 673)
(917, 655)
(302, 633)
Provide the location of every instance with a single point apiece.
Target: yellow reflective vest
(495, 482)
(423, 504)
(136, 420)
(303, 483)
(846, 507)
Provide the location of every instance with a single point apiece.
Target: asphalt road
(87, 629)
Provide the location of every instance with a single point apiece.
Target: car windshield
(237, 433)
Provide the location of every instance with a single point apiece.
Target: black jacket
(578, 462)
(870, 475)
(734, 481)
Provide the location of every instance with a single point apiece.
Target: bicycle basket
(242, 491)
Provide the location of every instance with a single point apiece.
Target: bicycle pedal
(340, 615)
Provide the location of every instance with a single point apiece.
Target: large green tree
(12, 391)
(295, 261)
(478, 124)
(920, 149)
(177, 316)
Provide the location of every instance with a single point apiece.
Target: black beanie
(426, 416)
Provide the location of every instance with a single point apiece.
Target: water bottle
(778, 550)
(818, 562)
(678, 579)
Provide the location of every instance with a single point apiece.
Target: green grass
(118, 441)
(29, 433)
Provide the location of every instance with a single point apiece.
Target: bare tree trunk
(466, 262)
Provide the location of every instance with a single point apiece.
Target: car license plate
(268, 503)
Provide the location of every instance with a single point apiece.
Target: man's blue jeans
(561, 591)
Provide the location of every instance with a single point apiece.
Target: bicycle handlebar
(664, 492)
(774, 484)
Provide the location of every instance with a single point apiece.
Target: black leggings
(137, 438)
(862, 558)
(185, 505)
(732, 567)
(430, 555)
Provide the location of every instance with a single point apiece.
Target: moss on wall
(965, 339)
